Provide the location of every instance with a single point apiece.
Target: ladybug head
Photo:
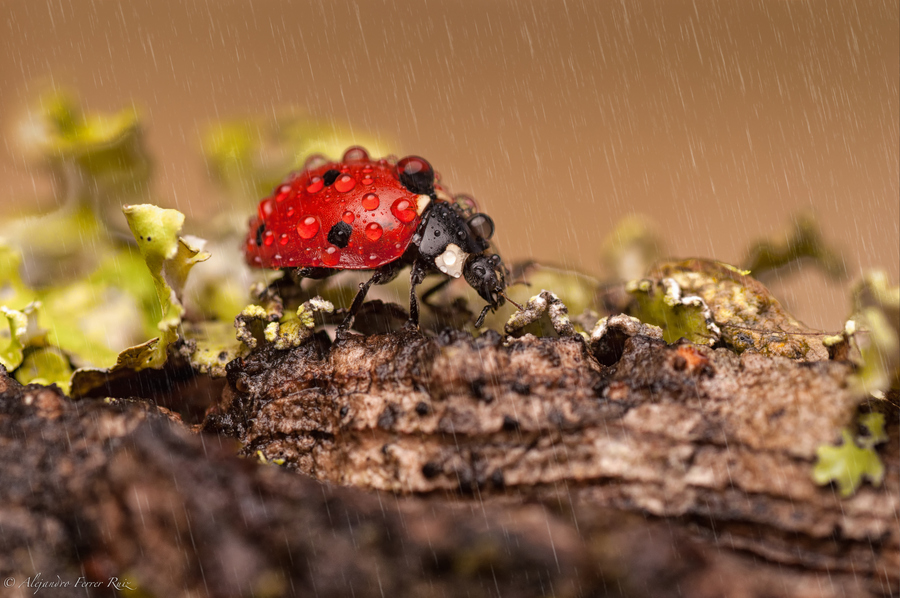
(486, 274)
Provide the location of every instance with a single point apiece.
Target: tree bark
(475, 467)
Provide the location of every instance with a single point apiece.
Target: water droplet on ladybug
(465, 206)
(308, 227)
(404, 210)
(268, 238)
(344, 183)
(416, 174)
(373, 257)
(316, 184)
(315, 161)
(290, 211)
(283, 239)
(266, 209)
(282, 193)
(367, 170)
(370, 201)
(348, 217)
(367, 180)
(355, 154)
(331, 256)
(374, 231)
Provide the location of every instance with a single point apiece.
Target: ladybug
(379, 215)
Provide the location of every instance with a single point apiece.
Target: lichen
(288, 330)
(875, 328)
(545, 302)
(46, 365)
(708, 302)
(803, 241)
(854, 460)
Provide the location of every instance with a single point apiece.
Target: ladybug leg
(376, 278)
(439, 286)
(416, 276)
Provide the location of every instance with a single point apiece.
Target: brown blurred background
(718, 120)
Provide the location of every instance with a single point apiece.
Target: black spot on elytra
(259, 233)
(330, 177)
(339, 235)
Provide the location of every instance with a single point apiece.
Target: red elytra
(365, 195)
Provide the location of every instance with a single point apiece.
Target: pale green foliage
(854, 460)
(876, 329)
(170, 259)
(12, 341)
(803, 241)
(47, 365)
(249, 157)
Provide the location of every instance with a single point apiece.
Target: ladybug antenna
(480, 319)
(502, 294)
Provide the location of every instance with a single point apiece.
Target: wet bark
(484, 467)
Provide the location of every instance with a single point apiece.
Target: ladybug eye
(416, 174)
(482, 225)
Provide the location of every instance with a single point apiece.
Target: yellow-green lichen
(12, 342)
(291, 330)
(875, 327)
(47, 365)
(655, 304)
(169, 259)
(630, 249)
(803, 241)
(249, 157)
(742, 313)
(536, 307)
(854, 460)
(211, 345)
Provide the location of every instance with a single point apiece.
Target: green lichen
(628, 252)
(803, 241)
(875, 328)
(655, 303)
(12, 342)
(249, 157)
(707, 301)
(210, 345)
(288, 330)
(854, 460)
(45, 366)
(543, 303)
(105, 147)
(169, 259)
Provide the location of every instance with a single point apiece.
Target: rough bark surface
(719, 445)
(481, 468)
